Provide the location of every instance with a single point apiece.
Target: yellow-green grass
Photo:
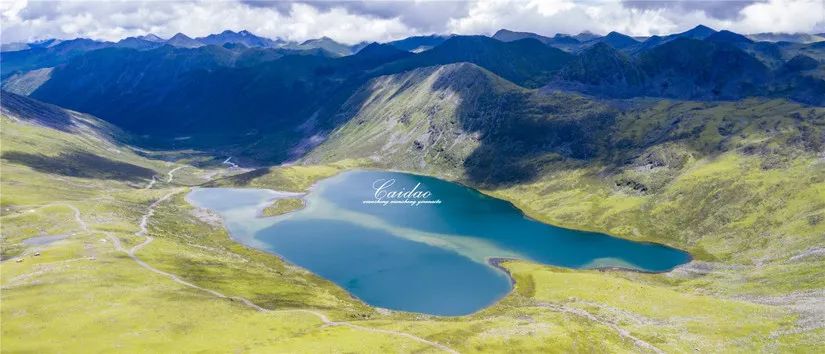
(65, 301)
(670, 312)
(738, 183)
(565, 310)
(80, 295)
(294, 178)
(204, 254)
(283, 206)
(672, 320)
(724, 209)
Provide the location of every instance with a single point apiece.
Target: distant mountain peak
(419, 43)
(319, 40)
(506, 35)
(231, 32)
(151, 37)
(374, 46)
(725, 36)
(703, 28)
(329, 45)
(183, 41)
(614, 34)
(698, 32)
(586, 36)
(503, 31)
(140, 43)
(180, 35)
(244, 37)
(618, 40)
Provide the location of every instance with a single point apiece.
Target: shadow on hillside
(517, 128)
(520, 131)
(239, 180)
(36, 112)
(80, 164)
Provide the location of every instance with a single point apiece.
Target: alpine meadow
(409, 177)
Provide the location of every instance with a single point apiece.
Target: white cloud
(781, 16)
(561, 16)
(112, 21)
(353, 22)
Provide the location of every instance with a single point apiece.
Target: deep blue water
(431, 257)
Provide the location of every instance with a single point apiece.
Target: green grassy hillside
(81, 293)
(739, 184)
(693, 175)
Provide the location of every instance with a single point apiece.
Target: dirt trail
(75, 210)
(144, 232)
(77, 217)
(171, 174)
(230, 163)
(151, 183)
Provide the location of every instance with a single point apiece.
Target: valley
(717, 292)
(595, 195)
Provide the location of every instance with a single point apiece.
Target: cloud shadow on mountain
(80, 164)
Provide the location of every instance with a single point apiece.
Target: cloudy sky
(355, 21)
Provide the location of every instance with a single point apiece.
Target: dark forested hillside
(238, 88)
(527, 62)
(687, 68)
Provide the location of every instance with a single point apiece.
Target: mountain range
(708, 141)
(233, 87)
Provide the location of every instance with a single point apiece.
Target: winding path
(77, 217)
(151, 183)
(144, 232)
(230, 163)
(171, 174)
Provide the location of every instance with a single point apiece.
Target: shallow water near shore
(415, 243)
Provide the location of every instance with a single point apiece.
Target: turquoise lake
(425, 251)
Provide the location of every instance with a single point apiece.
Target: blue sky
(355, 21)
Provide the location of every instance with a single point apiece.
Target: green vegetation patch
(745, 196)
(295, 178)
(283, 206)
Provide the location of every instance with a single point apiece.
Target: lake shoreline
(488, 194)
(494, 262)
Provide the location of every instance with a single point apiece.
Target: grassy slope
(113, 304)
(741, 184)
(283, 206)
(693, 175)
(81, 295)
(294, 178)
